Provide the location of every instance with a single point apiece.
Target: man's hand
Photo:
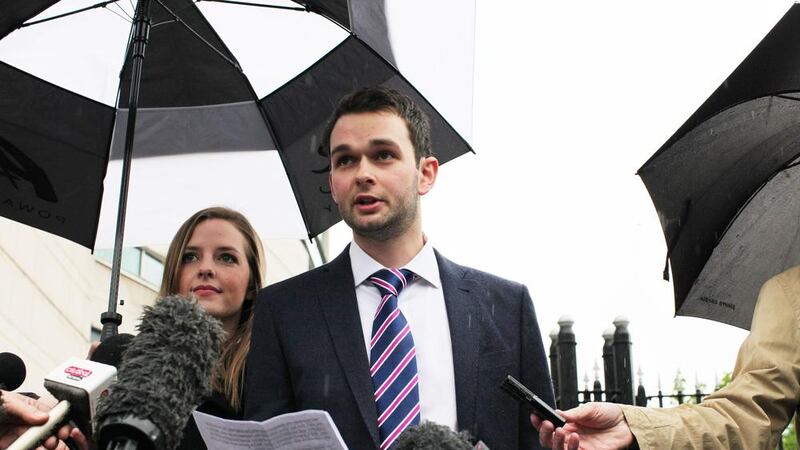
(20, 413)
(593, 426)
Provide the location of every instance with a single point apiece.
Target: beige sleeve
(752, 411)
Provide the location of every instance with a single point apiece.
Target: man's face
(375, 179)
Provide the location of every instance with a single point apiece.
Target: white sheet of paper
(305, 430)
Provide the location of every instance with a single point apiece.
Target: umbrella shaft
(141, 31)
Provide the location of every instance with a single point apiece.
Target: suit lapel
(464, 334)
(337, 299)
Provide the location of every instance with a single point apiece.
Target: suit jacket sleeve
(533, 369)
(268, 390)
(752, 411)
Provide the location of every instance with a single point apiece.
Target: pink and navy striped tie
(393, 360)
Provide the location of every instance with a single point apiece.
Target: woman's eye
(188, 257)
(227, 258)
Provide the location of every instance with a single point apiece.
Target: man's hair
(380, 99)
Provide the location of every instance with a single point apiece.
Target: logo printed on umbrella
(15, 165)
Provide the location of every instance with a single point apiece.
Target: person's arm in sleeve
(534, 369)
(749, 413)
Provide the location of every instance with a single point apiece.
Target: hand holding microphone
(76, 383)
(18, 413)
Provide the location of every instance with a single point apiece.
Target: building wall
(52, 292)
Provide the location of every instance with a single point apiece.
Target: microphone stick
(34, 434)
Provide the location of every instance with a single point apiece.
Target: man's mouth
(366, 200)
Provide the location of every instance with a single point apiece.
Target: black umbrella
(725, 184)
(188, 97)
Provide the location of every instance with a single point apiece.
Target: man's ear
(428, 169)
(333, 191)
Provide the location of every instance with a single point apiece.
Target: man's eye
(385, 156)
(188, 257)
(343, 161)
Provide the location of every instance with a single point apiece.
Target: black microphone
(164, 375)
(12, 371)
(432, 436)
(111, 349)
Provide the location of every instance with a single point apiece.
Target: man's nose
(365, 172)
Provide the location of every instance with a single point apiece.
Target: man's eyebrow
(372, 143)
(383, 141)
(340, 148)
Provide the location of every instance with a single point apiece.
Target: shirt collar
(423, 264)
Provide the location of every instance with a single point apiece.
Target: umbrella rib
(291, 8)
(127, 19)
(197, 35)
(122, 10)
(787, 97)
(262, 5)
(785, 167)
(97, 5)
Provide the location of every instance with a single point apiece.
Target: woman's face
(214, 270)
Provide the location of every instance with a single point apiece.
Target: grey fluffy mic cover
(166, 370)
(432, 436)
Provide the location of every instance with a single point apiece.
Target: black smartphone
(536, 405)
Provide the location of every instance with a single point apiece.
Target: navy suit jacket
(308, 352)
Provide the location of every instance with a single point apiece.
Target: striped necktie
(393, 361)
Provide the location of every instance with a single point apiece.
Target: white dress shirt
(422, 304)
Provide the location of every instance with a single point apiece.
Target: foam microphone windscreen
(110, 350)
(165, 373)
(432, 436)
(12, 371)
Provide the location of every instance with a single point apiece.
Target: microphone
(165, 374)
(78, 384)
(12, 371)
(432, 436)
(111, 349)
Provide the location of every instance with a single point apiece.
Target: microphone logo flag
(77, 373)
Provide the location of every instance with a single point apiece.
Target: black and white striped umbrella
(205, 133)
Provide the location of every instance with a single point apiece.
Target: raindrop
(469, 321)
(492, 308)
(326, 385)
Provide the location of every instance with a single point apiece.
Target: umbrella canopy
(205, 134)
(725, 184)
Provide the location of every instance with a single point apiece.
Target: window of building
(137, 261)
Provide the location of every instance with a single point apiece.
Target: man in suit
(381, 350)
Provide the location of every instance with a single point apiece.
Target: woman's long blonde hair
(228, 376)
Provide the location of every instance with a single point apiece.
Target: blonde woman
(216, 257)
